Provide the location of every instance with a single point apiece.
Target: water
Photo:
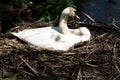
(103, 10)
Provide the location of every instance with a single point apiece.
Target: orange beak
(77, 16)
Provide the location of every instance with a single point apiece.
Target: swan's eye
(72, 13)
(75, 12)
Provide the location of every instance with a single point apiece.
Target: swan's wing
(48, 38)
(83, 32)
(31, 32)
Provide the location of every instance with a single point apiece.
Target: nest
(97, 59)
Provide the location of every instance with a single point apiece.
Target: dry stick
(90, 53)
(100, 36)
(109, 47)
(30, 24)
(35, 72)
(74, 71)
(79, 75)
(28, 73)
(26, 25)
(115, 78)
(92, 65)
(89, 17)
(14, 47)
(8, 44)
(114, 58)
(115, 26)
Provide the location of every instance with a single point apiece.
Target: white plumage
(55, 38)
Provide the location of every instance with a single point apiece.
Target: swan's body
(55, 38)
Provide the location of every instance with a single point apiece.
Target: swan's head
(70, 11)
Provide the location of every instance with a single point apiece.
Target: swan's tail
(15, 34)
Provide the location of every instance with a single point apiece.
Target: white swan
(55, 38)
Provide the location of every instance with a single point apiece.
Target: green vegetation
(18, 2)
(11, 78)
(46, 9)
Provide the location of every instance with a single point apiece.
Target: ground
(97, 59)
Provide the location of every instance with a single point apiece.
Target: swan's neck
(63, 24)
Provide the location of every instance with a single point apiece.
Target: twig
(35, 72)
(17, 27)
(100, 36)
(114, 24)
(74, 71)
(89, 17)
(91, 53)
(28, 73)
(92, 65)
(69, 53)
(79, 75)
(114, 58)
(109, 47)
(115, 78)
